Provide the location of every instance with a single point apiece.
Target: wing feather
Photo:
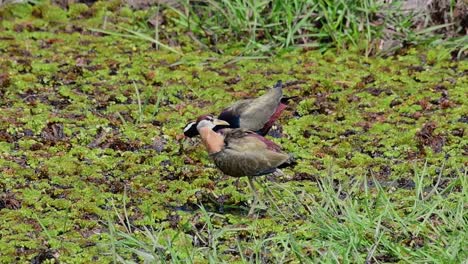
(247, 155)
(253, 114)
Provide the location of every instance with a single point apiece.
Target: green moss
(52, 13)
(76, 10)
(126, 12)
(355, 120)
(17, 10)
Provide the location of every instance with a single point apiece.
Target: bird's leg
(263, 185)
(255, 194)
(236, 183)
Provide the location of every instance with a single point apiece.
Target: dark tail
(291, 162)
(279, 84)
(285, 100)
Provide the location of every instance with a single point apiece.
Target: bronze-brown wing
(248, 163)
(253, 114)
(246, 154)
(261, 109)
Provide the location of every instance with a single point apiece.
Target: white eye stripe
(189, 126)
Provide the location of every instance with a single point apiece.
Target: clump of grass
(247, 28)
(268, 25)
(354, 223)
(370, 26)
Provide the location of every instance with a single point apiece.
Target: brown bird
(240, 152)
(257, 114)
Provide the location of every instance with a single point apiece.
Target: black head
(190, 130)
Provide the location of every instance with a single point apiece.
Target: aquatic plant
(93, 167)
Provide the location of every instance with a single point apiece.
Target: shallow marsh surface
(90, 137)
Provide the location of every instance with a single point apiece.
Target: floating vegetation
(94, 168)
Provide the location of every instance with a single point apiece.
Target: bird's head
(192, 128)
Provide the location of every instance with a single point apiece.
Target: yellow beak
(220, 122)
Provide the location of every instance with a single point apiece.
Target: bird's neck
(213, 141)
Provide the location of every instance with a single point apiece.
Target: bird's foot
(278, 173)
